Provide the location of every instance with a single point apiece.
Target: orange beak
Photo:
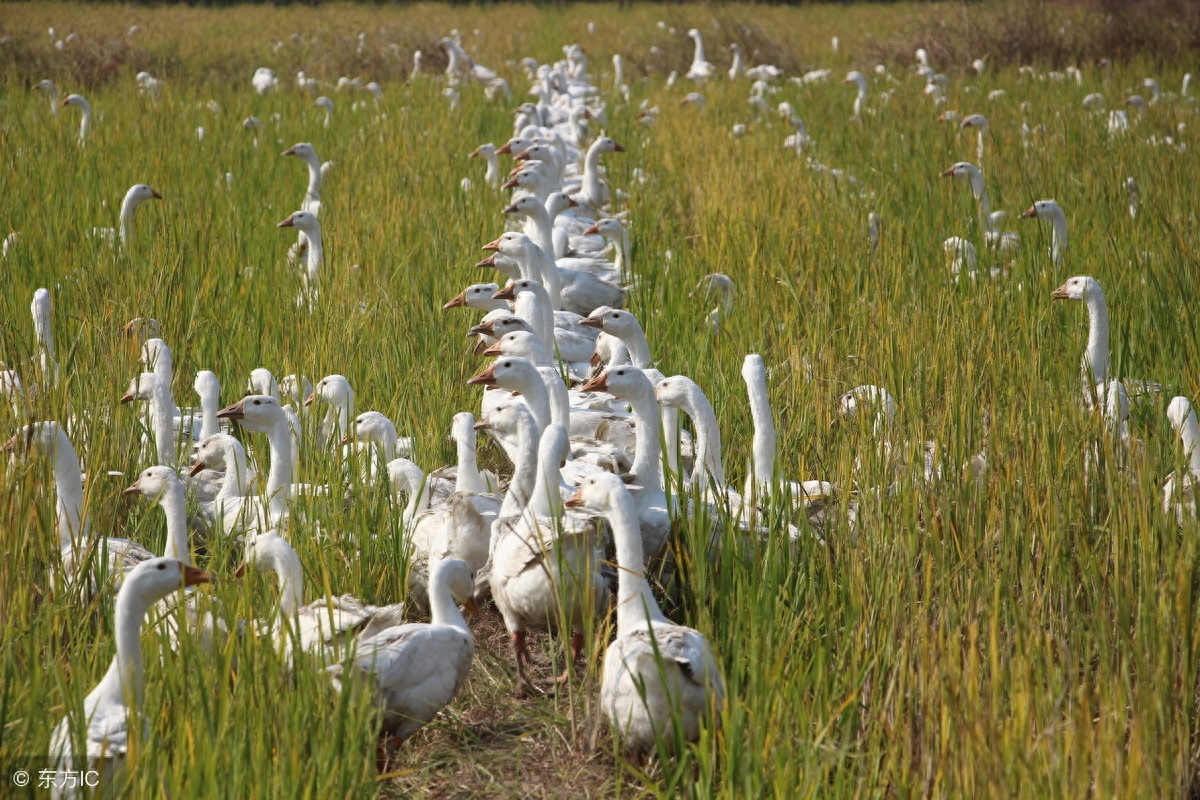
(509, 292)
(291, 151)
(459, 299)
(490, 261)
(235, 411)
(493, 246)
(596, 384)
(1060, 293)
(486, 378)
(494, 350)
(195, 577)
(135, 488)
(948, 173)
(591, 229)
(593, 322)
(312, 398)
(197, 468)
(511, 183)
(127, 397)
(1029, 213)
(154, 193)
(575, 500)
(287, 223)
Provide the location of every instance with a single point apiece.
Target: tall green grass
(1029, 635)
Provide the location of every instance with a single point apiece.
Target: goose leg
(524, 685)
(576, 652)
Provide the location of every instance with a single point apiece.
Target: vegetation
(1031, 634)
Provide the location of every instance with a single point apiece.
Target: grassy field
(1033, 634)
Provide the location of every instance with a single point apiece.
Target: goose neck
(442, 608)
(162, 423)
(546, 500)
(764, 428)
(126, 674)
(1095, 360)
(174, 505)
(647, 421)
(708, 468)
(279, 477)
(69, 486)
(291, 578)
(636, 605)
(520, 488)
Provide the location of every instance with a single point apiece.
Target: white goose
(106, 710)
(807, 496)
(334, 391)
(656, 673)
(223, 453)
(700, 70)
(258, 513)
(328, 628)
(161, 485)
(138, 193)
(488, 153)
(545, 565)
(1096, 381)
(85, 120)
(1050, 210)
(1179, 492)
(631, 385)
(103, 557)
(417, 669)
(307, 223)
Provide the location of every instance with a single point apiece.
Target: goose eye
(162, 566)
(258, 402)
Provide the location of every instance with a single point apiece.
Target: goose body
(417, 669)
(656, 673)
(106, 709)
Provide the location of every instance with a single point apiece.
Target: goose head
(141, 388)
(302, 150)
(1043, 209)
(606, 144)
(975, 121)
(332, 389)
(519, 144)
(1080, 287)
(613, 321)
(537, 152)
(304, 220)
(524, 205)
(43, 437)
(140, 193)
(295, 387)
(599, 492)
(260, 413)
(262, 382)
(624, 382)
(155, 482)
(497, 327)
(673, 391)
(558, 202)
(263, 551)
(158, 577)
(206, 382)
(142, 328)
(521, 343)
(483, 151)
(860, 397)
(527, 178)
(510, 372)
(371, 426)
(77, 100)
(963, 170)
(1178, 412)
(608, 228)
(514, 288)
(211, 451)
(476, 295)
(454, 574)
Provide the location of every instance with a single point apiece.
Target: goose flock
(599, 465)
